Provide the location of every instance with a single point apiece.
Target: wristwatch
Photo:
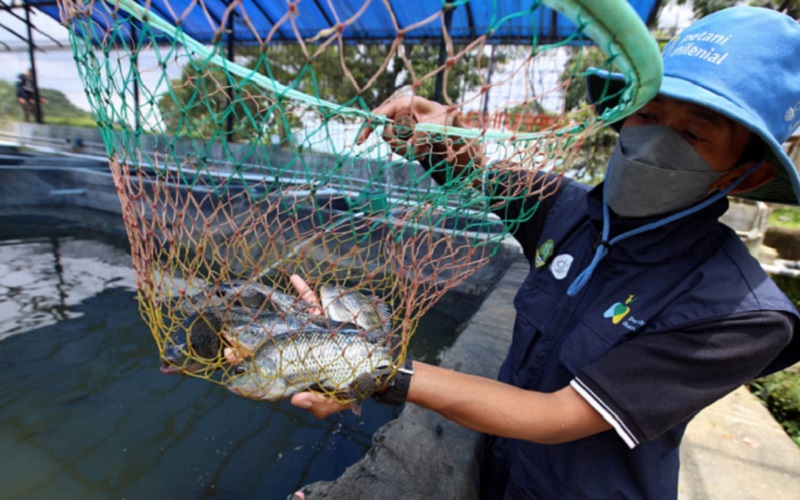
(396, 389)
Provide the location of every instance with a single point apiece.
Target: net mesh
(237, 166)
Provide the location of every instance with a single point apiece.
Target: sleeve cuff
(608, 414)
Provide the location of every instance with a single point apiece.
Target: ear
(758, 178)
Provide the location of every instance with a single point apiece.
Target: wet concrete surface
(733, 449)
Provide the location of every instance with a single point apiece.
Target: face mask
(653, 171)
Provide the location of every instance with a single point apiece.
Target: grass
(71, 121)
(780, 391)
(785, 216)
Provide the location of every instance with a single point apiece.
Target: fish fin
(363, 386)
(356, 408)
(327, 323)
(301, 381)
(384, 312)
(383, 308)
(304, 305)
(374, 336)
(315, 387)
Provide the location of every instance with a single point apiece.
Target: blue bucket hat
(743, 63)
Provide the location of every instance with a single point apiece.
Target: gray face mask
(653, 171)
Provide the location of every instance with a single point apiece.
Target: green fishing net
(237, 165)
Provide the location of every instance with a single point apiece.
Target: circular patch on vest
(560, 266)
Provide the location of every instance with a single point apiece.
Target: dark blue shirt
(671, 320)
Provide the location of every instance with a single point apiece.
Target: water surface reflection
(86, 413)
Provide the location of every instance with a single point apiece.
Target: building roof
(268, 19)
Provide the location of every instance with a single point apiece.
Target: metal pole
(485, 111)
(448, 21)
(135, 62)
(31, 47)
(231, 55)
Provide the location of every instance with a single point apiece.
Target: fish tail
(364, 386)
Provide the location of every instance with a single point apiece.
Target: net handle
(613, 24)
(622, 36)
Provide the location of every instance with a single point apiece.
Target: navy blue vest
(690, 270)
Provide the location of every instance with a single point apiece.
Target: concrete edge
(732, 449)
(736, 449)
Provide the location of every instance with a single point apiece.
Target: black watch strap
(397, 388)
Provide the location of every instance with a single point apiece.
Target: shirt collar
(673, 240)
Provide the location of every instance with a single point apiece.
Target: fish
(343, 310)
(244, 315)
(348, 363)
(252, 295)
(197, 344)
(352, 306)
(193, 346)
(247, 333)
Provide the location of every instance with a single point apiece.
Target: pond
(86, 413)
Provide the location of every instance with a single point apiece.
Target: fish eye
(239, 369)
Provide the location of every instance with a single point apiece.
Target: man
(659, 310)
(26, 94)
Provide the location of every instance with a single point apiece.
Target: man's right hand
(405, 112)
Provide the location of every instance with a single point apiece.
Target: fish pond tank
(85, 411)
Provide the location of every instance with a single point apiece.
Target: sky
(56, 68)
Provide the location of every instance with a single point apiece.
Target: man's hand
(317, 404)
(306, 293)
(405, 112)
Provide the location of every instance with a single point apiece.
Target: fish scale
(346, 363)
(351, 306)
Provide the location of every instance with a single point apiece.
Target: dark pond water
(86, 413)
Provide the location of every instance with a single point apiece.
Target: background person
(660, 309)
(26, 95)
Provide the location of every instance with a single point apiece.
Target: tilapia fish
(248, 333)
(199, 340)
(252, 295)
(246, 315)
(344, 310)
(351, 306)
(193, 345)
(190, 347)
(348, 363)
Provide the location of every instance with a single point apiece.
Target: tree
(56, 107)
(575, 70)
(199, 104)
(362, 74)
(356, 75)
(596, 149)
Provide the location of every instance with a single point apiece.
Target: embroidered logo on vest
(619, 314)
(560, 266)
(618, 311)
(543, 253)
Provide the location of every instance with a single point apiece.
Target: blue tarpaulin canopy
(507, 21)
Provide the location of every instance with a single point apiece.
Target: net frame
(196, 224)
